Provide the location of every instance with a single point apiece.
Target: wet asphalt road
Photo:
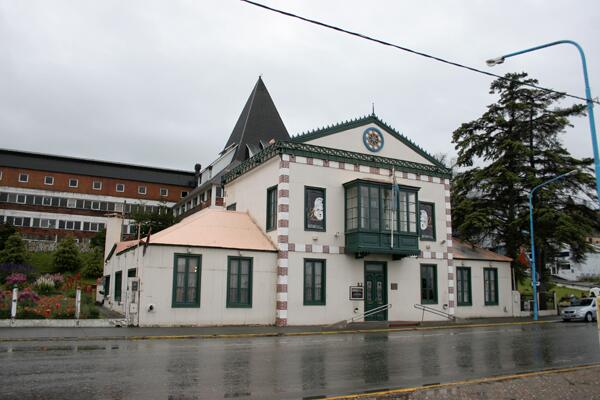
(285, 367)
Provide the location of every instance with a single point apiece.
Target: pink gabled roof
(218, 228)
(466, 251)
(122, 246)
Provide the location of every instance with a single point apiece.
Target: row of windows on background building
(46, 223)
(96, 185)
(429, 293)
(64, 202)
(371, 207)
(196, 200)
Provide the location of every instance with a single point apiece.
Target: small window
(95, 205)
(49, 180)
(47, 201)
(97, 185)
(314, 282)
(120, 187)
(73, 183)
(186, 281)
(231, 207)
(463, 286)
(429, 293)
(132, 272)
(23, 178)
(239, 282)
(21, 198)
(271, 208)
(314, 209)
(184, 194)
(490, 286)
(142, 189)
(164, 192)
(118, 285)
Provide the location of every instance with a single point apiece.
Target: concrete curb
(490, 379)
(60, 323)
(273, 334)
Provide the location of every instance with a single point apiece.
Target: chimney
(197, 168)
(114, 223)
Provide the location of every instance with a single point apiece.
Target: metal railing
(370, 312)
(434, 311)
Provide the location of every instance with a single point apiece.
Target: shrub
(28, 297)
(45, 284)
(66, 257)
(9, 268)
(93, 264)
(14, 250)
(16, 278)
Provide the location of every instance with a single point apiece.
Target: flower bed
(50, 296)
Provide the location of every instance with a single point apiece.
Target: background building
(48, 197)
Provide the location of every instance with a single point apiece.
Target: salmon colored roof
(466, 251)
(122, 246)
(213, 227)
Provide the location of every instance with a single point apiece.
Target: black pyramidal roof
(258, 123)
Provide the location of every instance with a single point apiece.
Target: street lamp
(588, 95)
(533, 269)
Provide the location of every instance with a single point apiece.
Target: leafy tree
(6, 230)
(158, 220)
(514, 146)
(93, 263)
(14, 250)
(66, 257)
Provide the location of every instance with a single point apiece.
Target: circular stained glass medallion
(373, 139)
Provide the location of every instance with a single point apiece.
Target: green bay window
(380, 219)
(463, 286)
(239, 282)
(490, 286)
(186, 280)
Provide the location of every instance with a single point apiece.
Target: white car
(583, 310)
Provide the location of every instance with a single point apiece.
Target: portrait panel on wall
(314, 209)
(427, 221)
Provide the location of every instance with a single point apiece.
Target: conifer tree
(66, 257)
(514, 146)
(14, 250)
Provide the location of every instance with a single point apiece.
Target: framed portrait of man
(314, 209)
(427, 220)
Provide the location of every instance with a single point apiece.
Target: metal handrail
(371, 312)
(434, 311)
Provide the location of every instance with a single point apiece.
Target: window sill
(185, 305)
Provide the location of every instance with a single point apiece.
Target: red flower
(57, 305)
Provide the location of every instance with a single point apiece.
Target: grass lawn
(525, 288)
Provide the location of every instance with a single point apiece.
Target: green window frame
(187, 269)
(422, 235)
(118, 285)
(239, 282)
(309, 193)
(429, 284)
(490, 286)
(106, 285)
(271, 222)
(314, 282)
(463, 286)
(132, 272)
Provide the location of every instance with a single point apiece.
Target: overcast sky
(162, 83)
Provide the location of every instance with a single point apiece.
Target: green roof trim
(355, 123)
(330, 154)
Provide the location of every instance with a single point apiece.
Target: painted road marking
(466, 382)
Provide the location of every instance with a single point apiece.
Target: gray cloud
(162, 83)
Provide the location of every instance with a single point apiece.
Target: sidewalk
(223, 332)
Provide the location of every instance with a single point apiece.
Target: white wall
(478, 307)
(588, 268)
(157, 289)
(343, 271)
(352, 140)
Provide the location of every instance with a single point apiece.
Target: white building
(570, 270)
(357, 219)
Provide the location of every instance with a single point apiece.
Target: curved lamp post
(588, 95)
(533, 269)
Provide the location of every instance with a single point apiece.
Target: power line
(419, 53)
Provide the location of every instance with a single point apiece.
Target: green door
(375, 290)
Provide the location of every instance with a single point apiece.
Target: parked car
(583, 310)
